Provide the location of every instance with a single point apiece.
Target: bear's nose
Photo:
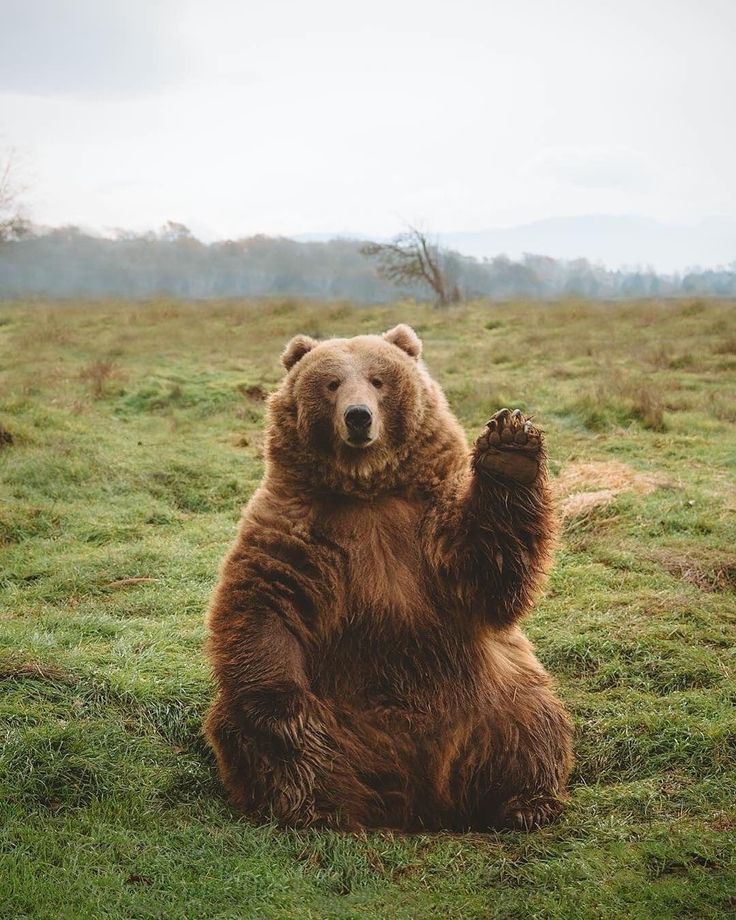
(358, 418)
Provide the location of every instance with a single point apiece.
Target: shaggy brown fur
(363, 633)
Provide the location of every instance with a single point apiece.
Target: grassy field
(130, 435)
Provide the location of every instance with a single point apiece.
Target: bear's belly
(395, 656)
(393, 671)
(434, 679)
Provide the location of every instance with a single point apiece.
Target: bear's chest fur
(392, 647)
(384, 577)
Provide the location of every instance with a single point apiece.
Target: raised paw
(510, 447)
(529, 815)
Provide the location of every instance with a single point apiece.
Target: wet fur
(363, 632)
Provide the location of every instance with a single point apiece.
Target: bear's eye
(333, 385)
(377, 382)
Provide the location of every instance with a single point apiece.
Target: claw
(509, 432)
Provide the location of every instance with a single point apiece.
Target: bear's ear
(296, 349)
(406, 339)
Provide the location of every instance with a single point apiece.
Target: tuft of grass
(6, 438)
(120, 492)
(618, 400)
(647, 407)
(725, 346)
(99, 376)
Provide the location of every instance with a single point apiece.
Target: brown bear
(363, 633)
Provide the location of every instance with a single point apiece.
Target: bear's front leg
(280, 752)
(494, 528)
(511, 507)
(264, 712)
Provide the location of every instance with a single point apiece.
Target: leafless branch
(410, 259)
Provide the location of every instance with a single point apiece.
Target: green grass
(130, 435)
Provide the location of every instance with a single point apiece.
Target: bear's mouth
(359, 440)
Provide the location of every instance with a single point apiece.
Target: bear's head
(350, 411)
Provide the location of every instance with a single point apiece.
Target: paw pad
(509, 446)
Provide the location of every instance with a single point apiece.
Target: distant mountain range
(615, 241)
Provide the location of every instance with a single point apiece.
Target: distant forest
(68, 262)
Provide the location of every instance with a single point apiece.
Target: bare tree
(410, 259)
(12, 222)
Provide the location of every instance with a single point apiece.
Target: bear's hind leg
(522, 785)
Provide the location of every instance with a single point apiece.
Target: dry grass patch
(709, 572)
(34, 670)
(581, 487)
(582, 503)
(131, 582)
(255, 392)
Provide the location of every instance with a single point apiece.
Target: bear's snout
(358, 419)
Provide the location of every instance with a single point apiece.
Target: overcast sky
(244, 116)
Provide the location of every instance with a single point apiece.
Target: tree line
(68, 262)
